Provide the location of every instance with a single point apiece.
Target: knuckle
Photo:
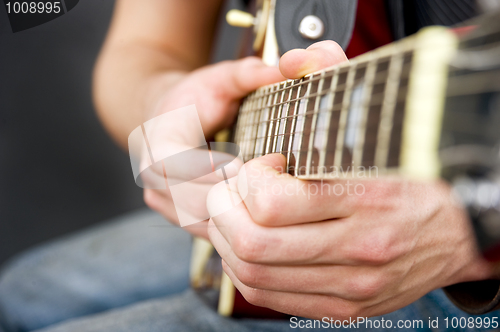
(247, 247)
(383, 195)
(248, 274)
(345, 310)
(265, 209)
(253, 296)
(367, 286)
(375, 249)
(250, 62)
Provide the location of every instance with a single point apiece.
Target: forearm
(150, 45)
(128, 82)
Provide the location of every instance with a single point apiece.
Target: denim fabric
(186, 312)
(131, 274)
(132, 258)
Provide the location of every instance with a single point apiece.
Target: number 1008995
(33, 7)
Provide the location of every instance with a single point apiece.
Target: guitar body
(381, 112)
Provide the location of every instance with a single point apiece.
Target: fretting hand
(309, 249)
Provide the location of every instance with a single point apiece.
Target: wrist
(155, 91)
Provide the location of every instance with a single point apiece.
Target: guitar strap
(404, 17)
(338, 17)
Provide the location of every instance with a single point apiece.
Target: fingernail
(307, 67)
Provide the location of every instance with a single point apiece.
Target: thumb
(268, 168)
(236, 79)
(299, 62)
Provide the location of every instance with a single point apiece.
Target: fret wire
(265, 109)
(297, 159)
(325, 131)
(342, 67)
(255, 127)
(278, 121)
(298, 120)
(262, 127)
(320, 94)
(330, 110)
(240, 127)
(387, 111)
(241, 122)
(382, 53)
(270, 129)
(313, 126)
(237, 128)
(343, 116)
(292, 129)
(284, 119)
(248, 131)
(273, 122)
(265, 124)
(250, 113)
(269, 105)
(361, 130)
(340, 88)
(322, 131)
(322, 157)
(328, 74)
(377, 100)
(254, 112)
(310, 131)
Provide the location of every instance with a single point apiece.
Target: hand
(371, 248)
(215, 90)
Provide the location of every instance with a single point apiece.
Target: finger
(201, 166)
(159, 201)
(277, 199)
(299, 62)
(290, 245)
(364, 239)
(236, 79)
(309, 305)
(348, 282)
(222, 86)
(191, 197)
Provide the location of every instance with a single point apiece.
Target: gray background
(59, 171)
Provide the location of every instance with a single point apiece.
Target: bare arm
(154, 61)
(150, 45)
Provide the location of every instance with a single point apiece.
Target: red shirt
(371, 29)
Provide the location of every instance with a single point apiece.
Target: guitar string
(285, 87)
(276, 122)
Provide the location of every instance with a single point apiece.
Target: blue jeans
(131, 274)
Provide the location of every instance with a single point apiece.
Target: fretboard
(341, 118)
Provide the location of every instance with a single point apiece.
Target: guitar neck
(347, 117)
(383, 109)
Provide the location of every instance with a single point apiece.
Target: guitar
(425, 107)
